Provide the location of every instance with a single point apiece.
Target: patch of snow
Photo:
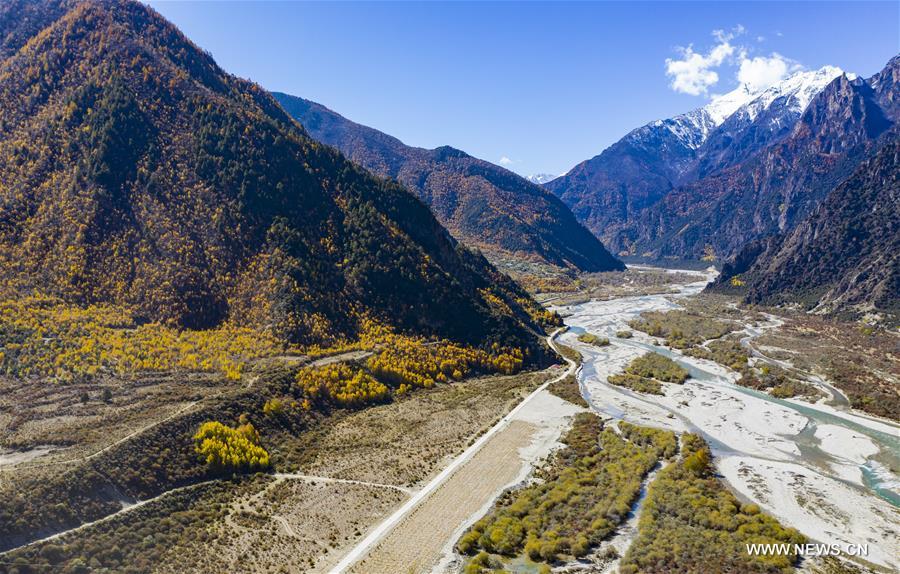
(797, 90)
(694, 127)
(541, 178)
(721, 107)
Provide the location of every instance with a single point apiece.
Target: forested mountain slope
(845, 257)
(136, 172)
(483, 205)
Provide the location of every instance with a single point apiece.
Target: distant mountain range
(482, 204)
(612, 192)
(136, 172)
(541, 178)
(773, 182)
(777, 187)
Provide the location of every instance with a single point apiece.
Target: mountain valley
(240, 332)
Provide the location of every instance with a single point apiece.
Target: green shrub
(636, 383)
(644, 374)
(586, 491)
(592, 339)
(682, 329)
(691, 523)
(729, 353)
(656, 366)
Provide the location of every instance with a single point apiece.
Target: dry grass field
(78, 419)
(304, 516)
(405, 442)
(417, 542)
(286, 525)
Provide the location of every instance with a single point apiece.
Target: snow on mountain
(796, 91)
(721, 107)
(541, 178)
(792, 94)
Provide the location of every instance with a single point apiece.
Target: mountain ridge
(483, 205)
(777, 187)
(611, 189)
(844, 258)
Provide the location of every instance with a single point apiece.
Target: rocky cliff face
(777, 187)
(843, 258)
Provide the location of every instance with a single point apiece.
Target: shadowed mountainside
(844, 258)
(780, 186)
(746, 166)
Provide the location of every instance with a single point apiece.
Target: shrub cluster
(727, 352)
(340, 384)
(644, 374)
(681, 329)
(691, 523)
(400, 364)
(592, 339)
(776, 382)
(587, 490)
(407, 363)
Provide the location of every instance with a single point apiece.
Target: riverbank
(422, 532)
(803, 463)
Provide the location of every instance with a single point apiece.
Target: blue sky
(543, 85)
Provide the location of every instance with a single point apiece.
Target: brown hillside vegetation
(843, 259)
(483, 205)
(138, 173)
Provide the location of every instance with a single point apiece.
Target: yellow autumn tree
(224, 448)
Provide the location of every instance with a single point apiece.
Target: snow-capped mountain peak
(541, 178)
(721, 107)
(693, 128)
(797, 89)
(794, 93)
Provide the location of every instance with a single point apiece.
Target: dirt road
(506, 446)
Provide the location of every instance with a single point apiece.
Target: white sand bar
(800, 462)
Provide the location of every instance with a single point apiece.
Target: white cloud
(761, 72)
(506, 161)
(695, 73)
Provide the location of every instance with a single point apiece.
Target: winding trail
(108, 517)
(348, 356)
(129, 508)
(381, 530)
(342, 357)
(129, 436)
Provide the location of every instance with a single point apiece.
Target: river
(821, 468)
